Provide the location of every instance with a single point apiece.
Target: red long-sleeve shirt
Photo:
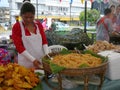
(17, 35)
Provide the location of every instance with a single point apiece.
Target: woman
(29, 38)
(44, 24)
(104, 26)
(112, 7)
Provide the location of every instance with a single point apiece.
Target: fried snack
(2, 69)
(16, 77)
(8, 82)
(1, 74)
(101, 46)
(1, 79)
(75, 60)
(22, 85)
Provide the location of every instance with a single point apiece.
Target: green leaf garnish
(84, 65)
(64, 51)
(39, 74)
(55, 68)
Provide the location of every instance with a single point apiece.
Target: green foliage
(92, 16)
(55, 68)
(39, 74)
(84, 65)
(46, 60)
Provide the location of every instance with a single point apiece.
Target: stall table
(107, 85)
(115, 39)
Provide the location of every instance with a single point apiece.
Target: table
(115, 39)
(107, 85)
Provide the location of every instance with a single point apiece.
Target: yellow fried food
(22, 85)
(1, 79)
(16, 77)
(2, 68)
(2, 74)
(9, 82)
(75, 60)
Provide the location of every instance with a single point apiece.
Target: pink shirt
(44, 24)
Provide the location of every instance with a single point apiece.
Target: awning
(65, 19)
(43, 17)
(62, 18)
(68, 19)
(76, 19)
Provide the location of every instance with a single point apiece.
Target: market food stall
(112, 77)
(110, 81)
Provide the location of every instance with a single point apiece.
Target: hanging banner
(91, 1)
(82, 1)
(99, 1)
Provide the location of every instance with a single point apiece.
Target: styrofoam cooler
(113, 70)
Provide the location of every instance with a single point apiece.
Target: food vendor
(104, 26)
(29, 38)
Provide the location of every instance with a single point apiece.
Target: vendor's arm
(17, 39)
(112, 31)
(110, 26)
(44, 39)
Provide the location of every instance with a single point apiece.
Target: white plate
(40, 71)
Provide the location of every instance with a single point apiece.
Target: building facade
(4, 14)
(63, 11)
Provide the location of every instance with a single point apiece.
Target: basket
(99, 70)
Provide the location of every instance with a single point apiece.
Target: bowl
(40, 73)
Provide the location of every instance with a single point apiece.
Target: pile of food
(16, 77)
(101, 46)
(75, 60)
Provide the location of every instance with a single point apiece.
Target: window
(19, 5)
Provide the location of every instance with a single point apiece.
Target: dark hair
(112, 6)
(107, 11)
(26, 0)
(27, 7)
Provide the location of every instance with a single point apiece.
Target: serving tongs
(40, 67)
(49, 57)
(85, 46)
(78, 51)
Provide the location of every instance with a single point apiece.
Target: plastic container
(113, 70)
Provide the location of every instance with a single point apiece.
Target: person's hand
(114, 33)
(37, 64)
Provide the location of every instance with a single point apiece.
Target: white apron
(33, 44)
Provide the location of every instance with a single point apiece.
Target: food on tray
(75, 60)
(16, 77)
(101, 46)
